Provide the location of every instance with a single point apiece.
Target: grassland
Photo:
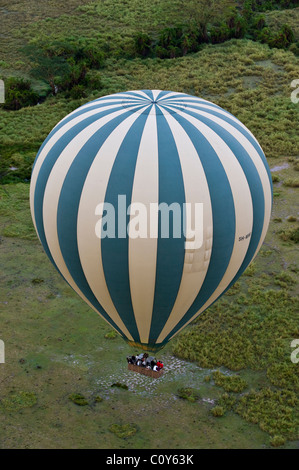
(229, 381)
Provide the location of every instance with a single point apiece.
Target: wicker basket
(149, 372)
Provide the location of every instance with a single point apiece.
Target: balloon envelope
(150, 204)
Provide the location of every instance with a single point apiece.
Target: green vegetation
(277, 441)
(218, 411)
(276, 412)
(291, 182)
(188, 394)
(240, 55)
(290, 234)
(98, 399)
(219, 73)
(111, 335)
(15, 212)
(230, 383)
(19, 94)
(78, 399)
(120, 385)
(227, 401)
(17, 401)
(123, 430)
(251, 328)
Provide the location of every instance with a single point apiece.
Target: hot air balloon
(150, 148)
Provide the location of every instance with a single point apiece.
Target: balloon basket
(148, 372)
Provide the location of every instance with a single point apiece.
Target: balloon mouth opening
(145, 346)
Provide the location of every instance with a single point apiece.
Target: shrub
(284, 280)
(78, 399)
(218, 411)
(120, 385)
(265, 35)
(219, 34)
(142, 44)
(92, 56)
(250, 270)
(230, 383)
(170, 37)
(227, 401)
(284, 375)
(123, 430)
(277, 441)
(19, 94)
(77, 92)
(283, 39)
(111, 335)
(237, 25)
(37, 280)
(291, 234)
(296, 166)
(235, 289)
(188, 394)
(18, 401)
(276, 412)
(259, 22)
(291, 182)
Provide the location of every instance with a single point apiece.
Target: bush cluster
(180, 40)
(230, 383)
(276, 412)
(18, 94)
(65, 66)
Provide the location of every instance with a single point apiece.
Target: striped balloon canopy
(150, 204)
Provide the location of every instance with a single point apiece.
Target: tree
(238, 25)
(205, 12)
(284, 38)
(47, 67)
(143, 44)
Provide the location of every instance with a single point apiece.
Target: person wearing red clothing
(159, 365)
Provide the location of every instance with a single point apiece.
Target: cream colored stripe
(93, 193)
(259, 165)
(242, 202)
(51, 142)
(141, 93)
(171, 97)
(197, 259)
(143, 251)
(156, 93)
(53, 189)
(97, 103)
(223, 112)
